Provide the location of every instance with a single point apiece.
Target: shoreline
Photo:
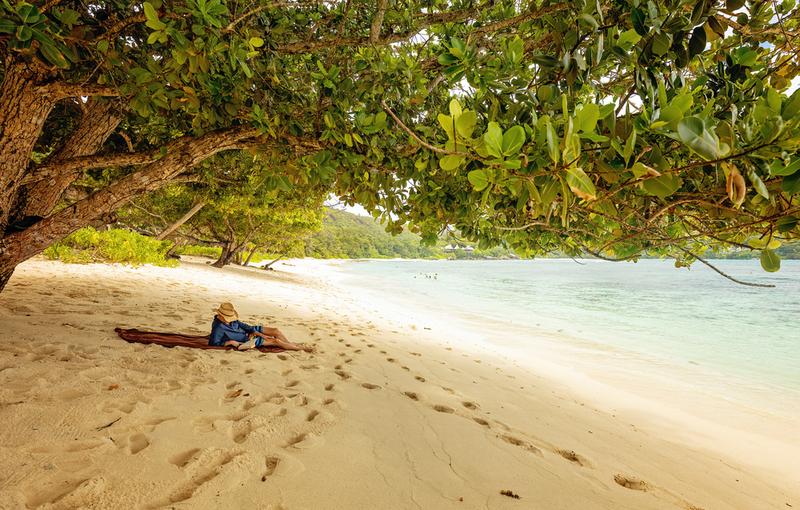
(471, 427)
(653, 389)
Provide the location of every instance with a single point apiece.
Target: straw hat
(228, 312)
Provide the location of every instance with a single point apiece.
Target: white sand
(380, 417)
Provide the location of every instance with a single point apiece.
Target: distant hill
(347, 235)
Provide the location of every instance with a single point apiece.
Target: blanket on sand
(176, 340)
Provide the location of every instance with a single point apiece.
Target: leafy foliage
(113, 245)
(614, 128)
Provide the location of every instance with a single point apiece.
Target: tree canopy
(612, 128)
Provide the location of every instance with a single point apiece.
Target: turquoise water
(676, 315)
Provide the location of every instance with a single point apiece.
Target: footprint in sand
(202, 469)
(183, 458)
(304, 441)
(419, 378)
(571, 456)
(271, 463)
(370, 386)
(472, 406)
(411, 395)
(342, 374)
(329, 387)
(137, 443)
(443, 409)
(328, 401)
(481, 421)
(312, 415)
(630, 482)
(522, 444)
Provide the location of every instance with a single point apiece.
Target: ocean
(740, 338)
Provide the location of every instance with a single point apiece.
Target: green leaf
(7, 26)
(478, 179)
(791, 107)
(638, 22)
(513, 140)
(552, 142)
(150, 12)
(662, 186)
(446, 122)
(494, 140)
(758, 184)
(630, 146)
(455, 107)
(676, 108)
(791, 184)
(155, 24)
(697, 43)
(53, 56)
(692, 131)
(586, 118)
(628, 39)
(589, 19)
(787, 223)
(777, 168)
(770, 261)
(451, 162)
(580, 183)
(256, 42)
(380, 120)
(28, 13)
(465, 123)
(24, 33)
(661, 43)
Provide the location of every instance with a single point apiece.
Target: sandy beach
(385, 415)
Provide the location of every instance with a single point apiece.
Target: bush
(114, 245)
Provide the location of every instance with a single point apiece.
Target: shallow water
(649, 309)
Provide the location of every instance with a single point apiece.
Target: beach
(390, 412)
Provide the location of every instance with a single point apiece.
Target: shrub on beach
(114, 245)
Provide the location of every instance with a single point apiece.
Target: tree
(252, 207)
(610, 127)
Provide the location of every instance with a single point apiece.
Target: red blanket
(176, 340)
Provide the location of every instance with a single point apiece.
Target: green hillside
(347, 235)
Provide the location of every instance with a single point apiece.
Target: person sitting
(227, 330)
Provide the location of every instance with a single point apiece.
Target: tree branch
(90, 162)
(377, 21)
(414, 135)
(729, 277)
(61, 90)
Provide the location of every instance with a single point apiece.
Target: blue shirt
(236, 330)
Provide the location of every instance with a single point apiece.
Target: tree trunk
(23, 111)
(97, 123)
(250, 255)
(226, 255)
(269, 266)
(186, 217)
(181, 154)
